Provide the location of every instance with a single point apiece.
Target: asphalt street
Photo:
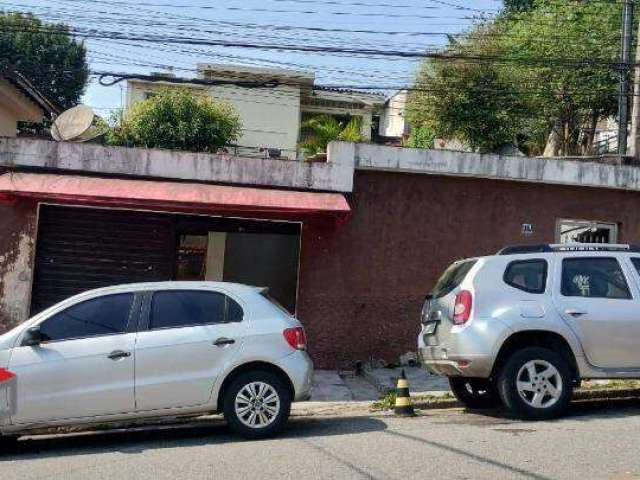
(598, 441)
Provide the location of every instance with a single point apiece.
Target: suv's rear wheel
(474, 392)
(257, 404)
(536, 383)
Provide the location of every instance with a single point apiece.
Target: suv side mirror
(33, 337)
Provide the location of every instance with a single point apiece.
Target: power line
(90, 33)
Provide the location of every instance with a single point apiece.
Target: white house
(272, 116)
(393, 123)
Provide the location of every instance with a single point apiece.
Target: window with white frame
(586, 231)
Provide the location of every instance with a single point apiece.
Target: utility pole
(623, 106)
(635, 108)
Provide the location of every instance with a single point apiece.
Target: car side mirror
(33, 337)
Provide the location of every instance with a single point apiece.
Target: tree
(470, 101)
(175, 118)
(46, 54)
(548, 71)
(568, 54)
(514, 6)
(319, 130)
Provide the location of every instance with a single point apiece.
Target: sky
(399, 25)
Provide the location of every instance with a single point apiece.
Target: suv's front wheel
(474, 393)
(535, 383)
(257, 404)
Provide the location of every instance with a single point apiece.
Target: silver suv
(139, 351)
(525, 326)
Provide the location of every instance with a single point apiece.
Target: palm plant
(319, 131)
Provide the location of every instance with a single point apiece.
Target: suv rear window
(452, 277)
(527, 275)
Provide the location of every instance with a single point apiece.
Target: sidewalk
(334, 386)
(345, 393)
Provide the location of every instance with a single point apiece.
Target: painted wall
(170, 164)
(17, 247)
(362, 283)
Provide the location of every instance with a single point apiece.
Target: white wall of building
(392, 120)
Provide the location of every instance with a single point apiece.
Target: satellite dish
(75, 125)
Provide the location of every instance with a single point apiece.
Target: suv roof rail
(516, 249)
(569, 247)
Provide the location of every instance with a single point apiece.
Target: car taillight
(462, 307)
(296, 338)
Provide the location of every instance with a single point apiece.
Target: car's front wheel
(474, 393)
(257, 404)
(536, 383)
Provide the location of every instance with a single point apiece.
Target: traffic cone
(403, 405)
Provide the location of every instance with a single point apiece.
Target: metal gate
(79, 249)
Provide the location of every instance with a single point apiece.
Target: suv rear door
(187, 339)
(595, 296)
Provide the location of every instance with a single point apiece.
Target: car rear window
(527, 275)
(274, 302)
(452, 277)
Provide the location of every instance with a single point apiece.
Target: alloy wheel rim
(257, 405)
(539, 384)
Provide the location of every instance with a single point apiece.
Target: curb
(578, 396)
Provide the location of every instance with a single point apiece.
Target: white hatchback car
(150, 350)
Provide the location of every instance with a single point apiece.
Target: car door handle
(221, 342)
(575, 313)
(118, 354)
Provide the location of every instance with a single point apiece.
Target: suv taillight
(462, 307)
(296, 338)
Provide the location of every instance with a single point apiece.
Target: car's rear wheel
(475, 393)
(257, 404)
(536, 383)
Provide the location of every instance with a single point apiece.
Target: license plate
(430, 328)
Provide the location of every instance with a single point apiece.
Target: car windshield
(452, 277)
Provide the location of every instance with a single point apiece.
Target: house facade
(271, 116)
(20, 101)
(351, 246)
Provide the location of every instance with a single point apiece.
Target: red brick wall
(362, 283)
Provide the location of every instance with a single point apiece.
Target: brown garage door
(80, 249)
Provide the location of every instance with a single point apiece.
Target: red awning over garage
(171, 196)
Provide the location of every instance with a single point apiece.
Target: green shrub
(177, 119)
(421, 137)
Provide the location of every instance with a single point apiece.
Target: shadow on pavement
(578, 410)
(139, 439)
